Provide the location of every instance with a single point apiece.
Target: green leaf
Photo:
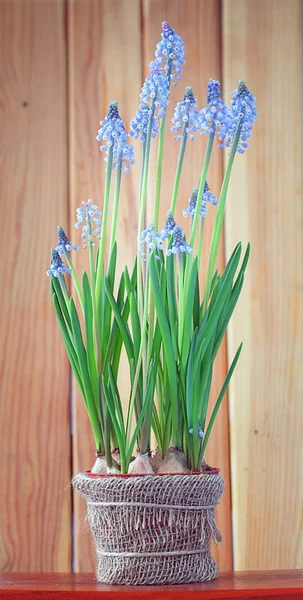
(89, 332)
(117, 399)
(207, 328)
(111, 407)
(188, 312)
(235, 293)
(136, 328)
(92, 402)
(219, 401)
(114, 344)
(148, 402)
(196, 308)
(167, 345)
(56, 287)
(121, 323)
(111, 280)
(72, 356)
(190, 380)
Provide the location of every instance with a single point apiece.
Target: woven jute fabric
(153, 530)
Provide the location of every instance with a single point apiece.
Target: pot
(152, 529)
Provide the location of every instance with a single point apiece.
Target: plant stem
(201, 189)
(159, 171)
(161, 153)
(200, 241)
(143, 186)
(100, 267)
(139, 361)
(215, 239)
(116, 204)
(178, 171)
(190, 261)
(181, 299)
(75, 279)
(143, 192)
(64, 289)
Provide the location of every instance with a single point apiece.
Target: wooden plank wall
(104, 64)
(35, 499)
(61, 63)
(262, 43)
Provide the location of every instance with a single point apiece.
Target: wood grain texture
(104, 64)
(35, 511)
(282, 585)
(199, 24)
(265, 197)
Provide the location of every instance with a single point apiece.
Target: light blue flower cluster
(64, 245)
(192, 202)
(150, 238)
(187, 116)
(215, 114)
(170, 225)
(177, 233)
(178, 242)
(113, 132)
(200, 432)
(57, 266)
(170, 53)
(153, 101)
(88, 217)
(242, 112)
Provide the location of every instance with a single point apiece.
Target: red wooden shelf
(282, 585)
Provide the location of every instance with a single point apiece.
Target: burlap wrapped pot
(152, 529)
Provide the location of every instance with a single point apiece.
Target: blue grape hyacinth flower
(178, 242)
(187, 116)
(170, 53)
(170, 225)
(88, 217)
(200, 432)
(57, 266)
(112, 131)
(242, 113)
(64, 245)
(153, 102)
(151, 239)
(172, 229)
(215, 114)
(192, 202)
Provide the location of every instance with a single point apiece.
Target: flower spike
(64, 245)
(112, 130)
(242, 112)
(88, 217)
(215, 114)
(170, 53)
(150, 238)
(57, 266)
(187, 116)
(170, 224)
(178, 244)
(153, 101)
(192, 202)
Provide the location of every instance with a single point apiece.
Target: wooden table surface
(275, 585)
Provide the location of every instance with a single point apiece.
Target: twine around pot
(153, 530)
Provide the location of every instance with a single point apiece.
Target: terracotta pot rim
(214, 471)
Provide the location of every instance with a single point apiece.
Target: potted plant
(152, 513)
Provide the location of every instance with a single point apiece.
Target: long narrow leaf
(89, 331)
(72, 356)
(219, 400)
(167, 345)
(121, 324)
